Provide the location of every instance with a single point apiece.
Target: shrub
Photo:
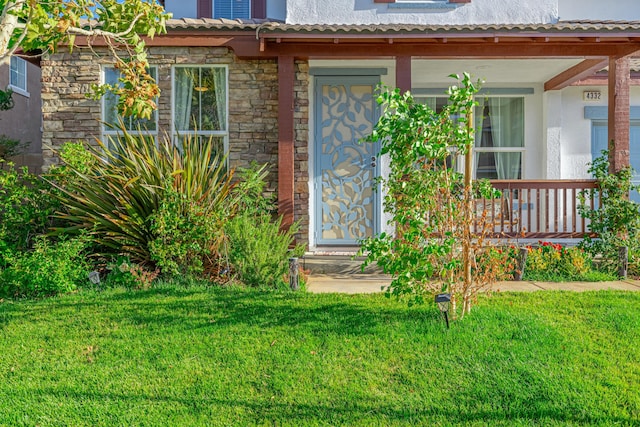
(259, 251)
(26, 206)
(616, 221)
(126, 274)
(50, 268)
(135, 187)
(187, 237)
(250, 193)
(10, 147)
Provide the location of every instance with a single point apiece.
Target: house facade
(23, 122)
(291, 83)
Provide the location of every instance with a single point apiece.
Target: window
(200, 103)
(499, 147)
(499, 138)
(231, 9)
(113, 122)
(18, 76)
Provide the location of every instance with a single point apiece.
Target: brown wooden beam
(451, 50)
(586, 68)
(619, 113)
(286, 140)
(403, 73)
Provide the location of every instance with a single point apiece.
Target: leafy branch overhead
(36, 27)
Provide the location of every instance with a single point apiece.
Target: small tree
(39, 26)
(433, 248)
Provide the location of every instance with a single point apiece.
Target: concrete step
(342, 264)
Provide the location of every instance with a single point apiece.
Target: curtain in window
(507, 130)
(219, 77)
(183, 93)
(110, 100)
(478, 119)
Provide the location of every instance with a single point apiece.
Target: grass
(216, 357)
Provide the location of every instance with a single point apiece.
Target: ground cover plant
(211, 356)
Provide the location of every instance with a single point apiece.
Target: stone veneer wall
(253, 108)
(301, 166)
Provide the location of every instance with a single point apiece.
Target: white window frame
(109, 132)
(15, 64)
(520, 150)
(477, 149)
(224, 134)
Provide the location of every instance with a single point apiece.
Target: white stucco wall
(623, 10)
(576, 130)
(368, 12)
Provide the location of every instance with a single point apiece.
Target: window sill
(19, 91)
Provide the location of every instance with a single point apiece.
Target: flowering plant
(552, 261)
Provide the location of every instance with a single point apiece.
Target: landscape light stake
(94, 278)
(623, 261)
(294, 268)
(443, 301)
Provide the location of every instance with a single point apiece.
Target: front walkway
(370, 283)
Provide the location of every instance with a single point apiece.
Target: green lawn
(198, 356)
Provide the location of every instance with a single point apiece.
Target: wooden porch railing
(536, 209)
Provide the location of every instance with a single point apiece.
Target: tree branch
(8, 24)
(97, 32)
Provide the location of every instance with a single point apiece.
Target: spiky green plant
(116, 200)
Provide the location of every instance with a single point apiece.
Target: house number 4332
(591, 95)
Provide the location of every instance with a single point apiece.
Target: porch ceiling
(501, 71)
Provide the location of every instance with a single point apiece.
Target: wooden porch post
(618, 123)
(403, 73)
(286, 79)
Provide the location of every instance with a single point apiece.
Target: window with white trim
(499, 137)
(499, 148)
(113, 122)
(232, 9)
(18, 75)
(200, 104)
